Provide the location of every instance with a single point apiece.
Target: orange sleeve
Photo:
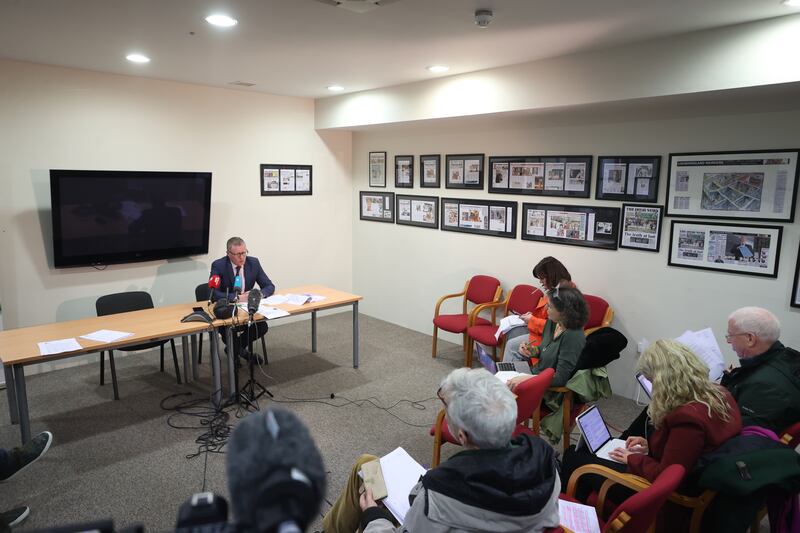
(537, 321)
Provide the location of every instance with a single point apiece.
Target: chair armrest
(437, 432)
(445, 297)
(613, 477)
(479, 308)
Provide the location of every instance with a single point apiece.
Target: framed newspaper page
(743, 249)
(464, 171)
(377, 206)
(743, 185)
(641, 227)
(795, 302)
(404, 171)
(628, 178)
(377, 169)
(422, 211)
(556, 175)
(484, 217)
(579, 225)
(430, 167)
(285, 180)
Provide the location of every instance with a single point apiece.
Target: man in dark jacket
(512, 486)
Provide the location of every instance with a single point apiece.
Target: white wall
(402, 270)
(64, 118)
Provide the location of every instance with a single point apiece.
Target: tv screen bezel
(133, 256)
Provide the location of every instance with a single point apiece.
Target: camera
(203, 512)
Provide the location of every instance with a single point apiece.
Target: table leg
(216, 378)
(187, 375)
(195, 358)
(355, 334)
(22, 403)
(231, 362)
(11, 393)
(313, 332)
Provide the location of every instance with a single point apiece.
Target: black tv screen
(107, 216)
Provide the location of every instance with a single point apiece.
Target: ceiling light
(437, 69)
(791, 3)
(223, 21)
(137, 58)
(335, 88)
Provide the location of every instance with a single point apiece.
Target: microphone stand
(252, 390)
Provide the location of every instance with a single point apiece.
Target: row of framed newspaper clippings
(727, 247)
(759, 185)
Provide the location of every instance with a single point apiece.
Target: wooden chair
(529, 397)
(638, 513)
(522, 299)
(600, 314)
(478, 290)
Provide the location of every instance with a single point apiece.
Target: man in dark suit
(237, 263)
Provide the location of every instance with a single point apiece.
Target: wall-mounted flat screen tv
(102, 217)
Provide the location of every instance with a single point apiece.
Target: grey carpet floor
(122, 459)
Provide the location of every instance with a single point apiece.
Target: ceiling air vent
(357, 6)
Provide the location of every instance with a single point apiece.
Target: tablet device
(595, 434)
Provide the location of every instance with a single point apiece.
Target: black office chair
(122, 302)
(201, 293)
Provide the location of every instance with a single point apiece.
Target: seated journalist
(238, 263)
(512, 485)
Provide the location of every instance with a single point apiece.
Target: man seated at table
(512, 485)
(249, 270)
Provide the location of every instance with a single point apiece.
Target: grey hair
(481, 405)
(233, 241)
(758, 321)
(572, 306)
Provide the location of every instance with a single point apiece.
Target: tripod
(252, 390)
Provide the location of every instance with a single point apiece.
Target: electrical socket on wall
(642, 346)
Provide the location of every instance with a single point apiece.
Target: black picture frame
(376, 169)
(455, 216)
(692, 244)
(416, 210)
(636, 230)
(464, 171)
(286, 180)
(740, 185)
(430, 164)
(404, 171)
(531, 175)
(376, 206)
(576, 225)
(795, 299)
(628, 178)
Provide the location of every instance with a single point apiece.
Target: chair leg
(468, 355)
(464, 341)
(162, 357)
(113, 373)
(435, 333)
(200, 350)
(174, 359)
(264, 347)
(102, 368)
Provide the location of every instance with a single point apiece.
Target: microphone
(276, 477)
(253, 301)
(213, 284)
(237, 286)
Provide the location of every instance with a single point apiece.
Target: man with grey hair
(512, 485)
(766, 385)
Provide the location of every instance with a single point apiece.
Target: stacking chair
(529, 396)
(638, 513)
(122, 302)
(478, 290)
(521, 300)
(600, 314)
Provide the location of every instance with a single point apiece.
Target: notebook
(595, 434)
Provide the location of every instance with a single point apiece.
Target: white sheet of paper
(704, 345)
(106, 335)
(511, 321)
(401, 472)
(59, 346)
(271, 312)
(316, 298)
(578, 517)
(505, 375)
(276, 299)
(298, 299)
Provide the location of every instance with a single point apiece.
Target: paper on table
(298, 299)
(316, 298)
(505, 375)
(106, 335)
(704, 345)
(401, 472)
(59, 346)
(511, 321)
(276, 299)
(578, 517)
(271, 312)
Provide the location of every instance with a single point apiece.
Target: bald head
(752, 330)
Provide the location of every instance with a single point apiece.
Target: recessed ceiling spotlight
(335, 88)
(223, 21)
(437, 69)
(791, 3)
(137, 58)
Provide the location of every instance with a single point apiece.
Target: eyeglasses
(240, 254)
(439, 394)
(729, 335)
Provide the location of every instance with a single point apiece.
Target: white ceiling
(298, 47)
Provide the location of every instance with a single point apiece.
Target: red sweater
(686, 433)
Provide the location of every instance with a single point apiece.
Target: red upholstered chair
(600, 314)
(478, 290)
(638, 513)
(529, 396)
(522, 299)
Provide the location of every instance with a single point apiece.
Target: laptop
(488, 363)
(646, 384)
(485, 359)
(595, 434)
